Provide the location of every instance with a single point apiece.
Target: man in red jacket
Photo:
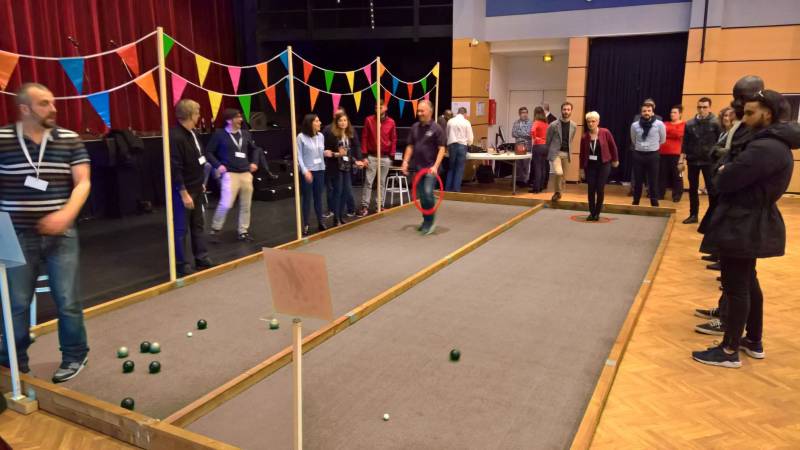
(369, 146)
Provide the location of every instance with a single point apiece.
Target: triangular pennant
(148, 85)
(428, 96)
(375, 91)
(380, 71)
(435, 71)
(350, 78)
(178, 85)
(215, 98)
(336, 98)
(74, 70)
(8, 61)
(202, 68)
(130, 57)
(395, 82)
(271, 97)
(387, 96)
(288, 89)
(235, 73)
(245, 101)
(410, 89)
(168, 43)
(368, 73)
(285, 59)
(328, 80)
(402, 106)
(307, 68)
(262, 73)
(414, 104)
(424, 83)
(313, 93)
(100, 103)
(357, 98)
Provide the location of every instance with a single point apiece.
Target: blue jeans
(342, 193)
(427, 198)
(58, 255)
(458, 157)
(313, 191)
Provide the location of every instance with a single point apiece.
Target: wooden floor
(43, 431)
(661, 398)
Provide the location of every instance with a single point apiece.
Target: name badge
(398, 156)
(202, 160)
(317, 161)
(429, 133)
(592, 157)
(35, 183)
(240, 155)
(346, 158)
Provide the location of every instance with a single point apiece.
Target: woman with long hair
(310, 159)
(539, 164)
(341, 142)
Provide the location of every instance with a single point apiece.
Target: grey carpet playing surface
(534, 313)
(362, 262)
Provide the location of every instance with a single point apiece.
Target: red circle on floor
(582, 219)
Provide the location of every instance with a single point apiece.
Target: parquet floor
(661, 398)
(43, 431)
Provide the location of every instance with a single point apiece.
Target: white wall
(498, 90)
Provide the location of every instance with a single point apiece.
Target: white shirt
(459, 130)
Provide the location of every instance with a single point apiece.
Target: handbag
(520, 148)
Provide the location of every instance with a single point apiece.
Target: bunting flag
(402, 106)
(386, 97)
(410, 89)
(307, 68)
(350, 78)
(428, 96)
(168, 43)
(288, 88)
(262, 73)
(8, 61)
(380, 71)
(424, 82)
(130, 57)
(328, 80)
(100, 103)
(271, 97)
(235, 73)
(313, 93)
(435, 71)
(395, 82)
(215, 98)
(357, 98)
(178, 85)
(285, 59)
(148, 85)
(74, 69)
(202, 68)
(336, 99)
(245, 101)
(375, 91)
(368, 73)
(414, 104)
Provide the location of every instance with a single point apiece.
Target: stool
(396, 183)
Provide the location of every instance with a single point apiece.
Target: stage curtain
(42, 28)
(623, 71)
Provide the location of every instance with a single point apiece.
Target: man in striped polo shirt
(44, 182)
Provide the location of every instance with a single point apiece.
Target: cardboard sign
(10, 251)
(299, 283)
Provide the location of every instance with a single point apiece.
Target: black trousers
(540, 167)
(191, 221)
(670, 177)
(596, 177)
(645, 165)
(745, 302)
(694, 185)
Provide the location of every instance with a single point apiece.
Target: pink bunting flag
(235, 73)
(178, 85)
(428, 96)
(336, 98)
(368, 73)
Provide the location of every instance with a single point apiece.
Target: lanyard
(239, 143)
(42, 146)
(593, 146)
(196, 143)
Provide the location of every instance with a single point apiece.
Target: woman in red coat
(670, 156)
(598, 156)
(539, 163)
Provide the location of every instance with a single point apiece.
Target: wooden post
(378, 135)
(297, 218)
(162, 88)
(297, 355)
(436, 105)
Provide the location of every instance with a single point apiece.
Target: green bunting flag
(424, 82)
(245, 101)
(328, 80)
(375, 90)
(168, 43)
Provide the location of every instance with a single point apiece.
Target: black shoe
(245, 237)
(67, 371)
(690, 219)
(719, 279)
(709, 314)
(556, 197)
(203, 263)
(716, 356)
(534, 191)
(714, 266)
(305, 230)
(713, 327)
(321, 226)
(635, 204)
(350, 215)
(183, 270)
(213, 236)
(752, 349)
(327, 215)
(710, 258)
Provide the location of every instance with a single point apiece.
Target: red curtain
(42, 28)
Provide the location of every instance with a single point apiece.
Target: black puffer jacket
(747, 222)
(700, 140)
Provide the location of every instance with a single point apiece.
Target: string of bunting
(313, 93)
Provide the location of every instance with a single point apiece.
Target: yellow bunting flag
(148, 85)
(8, 61)
(262, 73)
(357, 98)
(313, 93)
(436, 70)
(202, 68)
(350, 77)
(215, 98)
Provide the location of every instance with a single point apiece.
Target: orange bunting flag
(380, 71)
(386, 97)
(130, 57)
(414, 104)
(8, 61)
(307, 66)
(410, 89)
(262, 73)
(271, 97)
(202, 68)
(313, 93)
(215, 98)
(148, 85)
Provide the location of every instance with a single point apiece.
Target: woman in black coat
(342, 153)
(747, 224)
